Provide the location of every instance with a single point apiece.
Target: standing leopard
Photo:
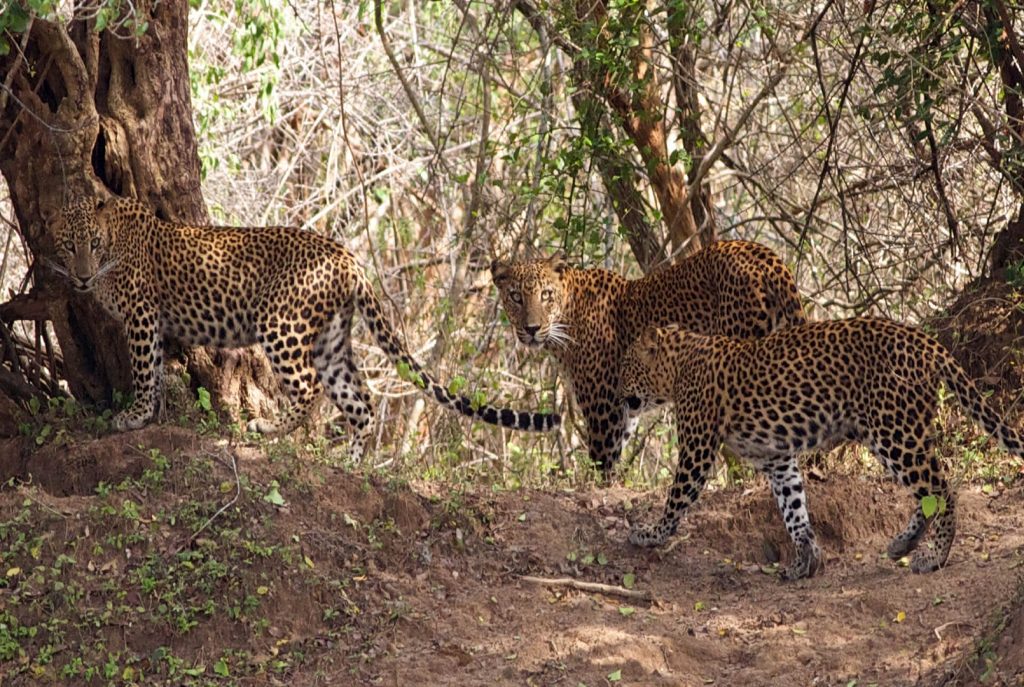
(291, 291)
(867, 380)
(588, 317)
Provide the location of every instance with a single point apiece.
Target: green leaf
(406, 372)
(931, 504)
(615, 676)
(457, 384)
(628, 580)
(478, 400)
(273, 496)
(221, 668)
(5, 47)
(41, 7)
(16, 18)
(203, 402)
(627, 610)
(101, 20)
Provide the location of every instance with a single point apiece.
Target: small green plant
(1015, 275)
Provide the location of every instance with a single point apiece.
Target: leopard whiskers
(103, 270)
(559, 335)
(87, 284)
(56, 267)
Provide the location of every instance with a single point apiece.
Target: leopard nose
(532, 329)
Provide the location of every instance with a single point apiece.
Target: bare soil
(372, 581)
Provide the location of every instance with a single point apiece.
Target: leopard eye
(69, 246)
(516, 297)
(546, 295)
(95, 243)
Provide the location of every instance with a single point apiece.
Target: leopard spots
(813, 385)
(292, 292)
(588, 317)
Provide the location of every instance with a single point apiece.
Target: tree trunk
(99, 113)
(630, 88)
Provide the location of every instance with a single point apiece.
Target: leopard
(586, 318)
(868, 380)
(292, 292)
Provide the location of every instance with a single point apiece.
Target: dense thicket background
(876, 145)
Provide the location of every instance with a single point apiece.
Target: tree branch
(725, 141)
(414, 100)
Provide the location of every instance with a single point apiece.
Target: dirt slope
(120, 557)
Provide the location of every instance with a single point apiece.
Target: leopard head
(647, 369)
(83, 244)
(534, 296)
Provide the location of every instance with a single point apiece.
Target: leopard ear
(650, 341)
(51, 215)
(557, 262)
(500, 273)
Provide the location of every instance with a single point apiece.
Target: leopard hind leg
(291, 358)
(332, 356)
(788, 488)
(908, 455)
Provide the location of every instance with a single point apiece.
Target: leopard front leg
(698, 448)
(606, 433)
(145, 351)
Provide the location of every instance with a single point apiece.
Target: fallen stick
(952, 623)
(589, 586)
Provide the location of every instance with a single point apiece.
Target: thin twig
(238, 492)
(938, 630)
(596, 587)
(414, 100)
(730, 134)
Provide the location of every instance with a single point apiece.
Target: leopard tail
(783, 297)
(373, 313)
(974, 403)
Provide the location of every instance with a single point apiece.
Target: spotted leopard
(868, 380)
(588, 317)
(292, 292)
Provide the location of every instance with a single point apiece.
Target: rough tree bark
(87, 113)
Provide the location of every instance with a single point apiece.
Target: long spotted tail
(974, 403)
(781, 294)
(370, 307)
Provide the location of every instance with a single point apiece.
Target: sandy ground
(437, 581)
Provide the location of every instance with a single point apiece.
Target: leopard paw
(261, 426)
(808, 562)
(648, 535)
(926, 562)
(128, 420)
